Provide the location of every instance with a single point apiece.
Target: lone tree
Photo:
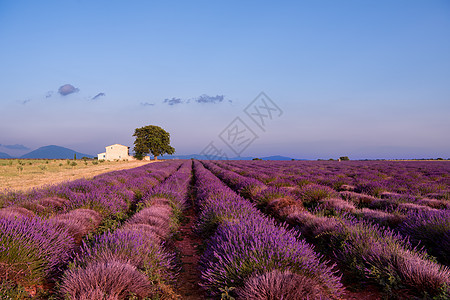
(151, 139)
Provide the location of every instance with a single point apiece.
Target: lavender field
(268, 230)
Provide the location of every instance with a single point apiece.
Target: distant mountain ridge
(5, 155)
(204, 157)
(58, 152)
(277, 157)
(54, 152)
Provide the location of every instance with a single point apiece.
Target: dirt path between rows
(187, 283)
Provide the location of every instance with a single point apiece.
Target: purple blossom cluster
(132, 260)
(119, 256)
(246, 245)
(245, 186)
(374, 253)
(431, 229)
(39, 230)
(411, 179)
(108, 193)
(368, 251)
(78, 222)
(175, 188)
(383, 223)
(32, 249)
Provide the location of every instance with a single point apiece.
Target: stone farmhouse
(117, 152)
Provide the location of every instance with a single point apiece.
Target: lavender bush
(137, 247)
(376, 254)
(246, 243)
(78, 222)
(256, 246)
(277, 285)
(106, 280)
(32, 250)
(363, 249)
(431, 229)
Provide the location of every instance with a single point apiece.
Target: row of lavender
(39, 230)
(363, 250)
(109, 193)
(425, 221)
(415, 182)
(249, 255)
(133, 261)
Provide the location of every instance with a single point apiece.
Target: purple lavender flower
(32, 249)
(110, 279)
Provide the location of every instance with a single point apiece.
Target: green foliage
(42, 167)
(73, 164)
(342, 158)
(95, 162)
(74, 156)
(152, 139)
(109, 223)
(19, 168)
(10, 290)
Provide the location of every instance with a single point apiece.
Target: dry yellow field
(22, 175)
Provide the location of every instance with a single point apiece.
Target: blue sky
(367, 79)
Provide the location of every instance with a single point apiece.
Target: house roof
(117, 145)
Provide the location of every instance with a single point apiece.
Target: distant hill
(5, 155)
(197, 156)
(54, 152)
(276, 157)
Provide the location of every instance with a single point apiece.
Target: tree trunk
(156, 157)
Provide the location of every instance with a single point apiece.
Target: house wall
(101, 156)
(119, 152)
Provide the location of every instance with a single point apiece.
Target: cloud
(16, 147)
(25, 101)
(67, 89)
(98, 96)
(173, 101)
(49, 94)
(210, 99)
(200, 99)
(147, 104)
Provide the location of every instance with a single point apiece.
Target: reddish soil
(187, 283)
(371, 293)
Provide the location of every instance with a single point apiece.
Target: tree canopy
(151, 139)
